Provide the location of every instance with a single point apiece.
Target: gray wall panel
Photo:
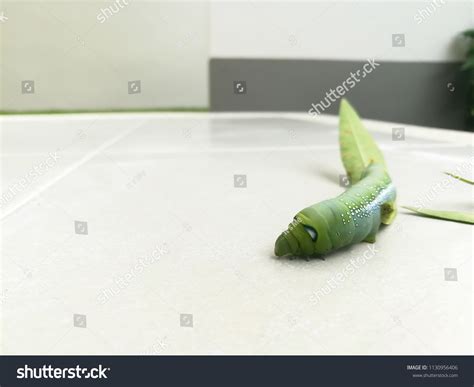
(428, 94)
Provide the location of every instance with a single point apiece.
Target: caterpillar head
(305, 236)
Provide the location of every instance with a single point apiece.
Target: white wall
(78, 61)
(346, 30)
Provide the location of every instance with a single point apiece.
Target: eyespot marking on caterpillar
(311, 232)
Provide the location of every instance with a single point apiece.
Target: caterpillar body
(352, 217)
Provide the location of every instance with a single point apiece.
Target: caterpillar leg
(389, 211)
(370, 238)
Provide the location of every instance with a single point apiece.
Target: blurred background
(239, 56)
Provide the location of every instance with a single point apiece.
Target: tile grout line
(67, 172)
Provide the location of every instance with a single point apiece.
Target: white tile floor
(169, 234)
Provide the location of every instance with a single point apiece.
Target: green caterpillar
(356, 214)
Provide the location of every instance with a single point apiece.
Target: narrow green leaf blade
(463, 217)
(358, 148)
(463, 179)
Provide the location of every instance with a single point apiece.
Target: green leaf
(470, 52)
(462, 217)
(468, 64)
(469, 33)
(463, 179)
(358, 148)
